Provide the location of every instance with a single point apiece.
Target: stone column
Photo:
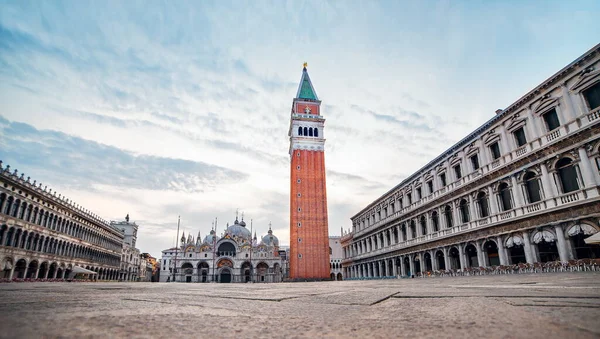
(586, 169)
(472, 210)
(434, 263)
(493, 202)
(561, 244)
(549, 188)
(504, 140)
(568, 110)
(461, 256)
(516, 192)
(502, 251)
(411, 265)
(380, 269)
(456, 213)
(394, 268)
(422, 262)
(447, 258)
(527, 248)
(37, 271)
(402, 267)
(481, 257)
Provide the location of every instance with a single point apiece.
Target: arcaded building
(43, 235)
(309, 235)
(521, 188)
(233, 257)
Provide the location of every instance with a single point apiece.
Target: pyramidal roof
(306, 89)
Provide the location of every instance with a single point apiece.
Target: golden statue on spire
(305, 64)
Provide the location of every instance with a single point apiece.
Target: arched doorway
(188, 270)
(261, 271)
(225, 275)
(577, 235)
(417, 264)
(545, 241)
(428, 263)
(203, 270)
(246, 269)
(440, 260)
(491, 249)
(225, 266)
(471, 254)
(339, 277)
(20, 269)
(31, 269)
(453, 255)
(332, 277)
(516, 251)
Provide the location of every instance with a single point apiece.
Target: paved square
(557, 305)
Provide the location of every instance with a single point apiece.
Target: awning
(594, 239)
(78, 269)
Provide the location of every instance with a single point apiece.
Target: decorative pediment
(545, 104)
(490, 138)
(588, 77)
(516, 123)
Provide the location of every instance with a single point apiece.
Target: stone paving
(561, 305)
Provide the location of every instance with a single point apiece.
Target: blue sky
(159, 109)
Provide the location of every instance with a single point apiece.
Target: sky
(160, 109)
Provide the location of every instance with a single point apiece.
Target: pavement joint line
(397, 295)
(162, 302)
(384, 299)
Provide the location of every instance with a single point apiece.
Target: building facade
(130, 256)
(522, 188)
(43, 235)
(309, 256)
(336, 255)
(235, 256)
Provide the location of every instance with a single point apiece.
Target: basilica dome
(270, 239)
(212, 237)
(238, 229)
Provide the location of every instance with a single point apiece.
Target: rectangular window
(419, 193)
(400, 200)
(430, 185)
(385, 212)
(475, 162)
(592, 96)
(457, 172)
(378, 215)
(443, 179)
(495, 149)
(393, 208)
(551, 119)
(409, 198)
(520, 137)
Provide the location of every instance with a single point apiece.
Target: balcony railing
(553, 135)
(484, 222)
(521, 150)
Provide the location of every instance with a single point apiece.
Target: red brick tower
(309, 236)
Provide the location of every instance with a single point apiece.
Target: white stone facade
(233, 257)
(43, 235)
(336, 255)
(522, 188)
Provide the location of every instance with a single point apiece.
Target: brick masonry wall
(312, 216)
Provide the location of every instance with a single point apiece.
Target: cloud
(82, 163)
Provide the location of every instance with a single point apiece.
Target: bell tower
(309, 235)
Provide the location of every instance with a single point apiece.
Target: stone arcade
(234, 257)
(522, 188)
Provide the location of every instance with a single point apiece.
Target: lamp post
(176, 250)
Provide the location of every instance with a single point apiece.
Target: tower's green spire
(306, 89)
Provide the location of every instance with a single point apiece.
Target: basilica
(235, 256)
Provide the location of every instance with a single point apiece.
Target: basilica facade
(522, 188)
(235, 256)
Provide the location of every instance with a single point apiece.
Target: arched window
(316, 132)
(567, 175)
(299, 130)
(305, 131)
(448, 215)
(403, 227)
(435, 221)
(310, 132)
(532, 187)
(413, 229)
(505, 199)
(423, 225)
(464, 210)
(482, 202)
